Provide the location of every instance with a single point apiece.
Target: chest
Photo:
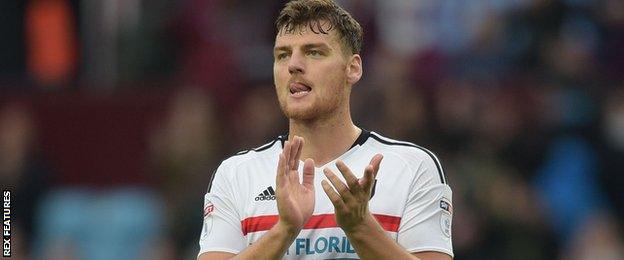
(257, 195)
(322, 237)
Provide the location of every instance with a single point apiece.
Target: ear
(354, 69)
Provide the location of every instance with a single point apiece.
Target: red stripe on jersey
(263, 223)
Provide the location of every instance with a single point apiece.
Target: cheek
(280, 69)
(279, 78)
(335, 80)
(276, 73)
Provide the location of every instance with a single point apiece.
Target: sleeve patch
(445, 223)
(446, 217)
(208, 209)
(446, 205)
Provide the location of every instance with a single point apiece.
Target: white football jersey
(411, 201)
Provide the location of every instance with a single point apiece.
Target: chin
(301, 113)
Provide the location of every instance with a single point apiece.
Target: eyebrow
(316, 45)
(305, 47)
(281, 48)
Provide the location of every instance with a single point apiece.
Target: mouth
(299, 89)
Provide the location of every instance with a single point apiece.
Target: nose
(295, 64)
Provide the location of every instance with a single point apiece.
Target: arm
(295, 204)
(371, 242)
(272, 245)
(364, 232)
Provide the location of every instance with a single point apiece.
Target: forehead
(304, 35)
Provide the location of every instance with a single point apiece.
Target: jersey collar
(364, 135)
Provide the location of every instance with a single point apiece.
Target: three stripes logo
(267, 194)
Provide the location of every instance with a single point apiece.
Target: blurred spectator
(23, 170)
(183, 153)
(611, 16)
(612, 151)
(598, 238)
(258, 118)
(51, 40)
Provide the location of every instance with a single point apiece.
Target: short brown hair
(299, 13)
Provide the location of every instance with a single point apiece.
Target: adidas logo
(267, 194)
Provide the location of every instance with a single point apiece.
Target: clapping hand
(351, 199)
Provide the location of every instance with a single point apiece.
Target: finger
(286, 153)
(280, 164)
(280, 178)
(292, 152)
(370, 172)
(376, 162)
(294, 161)
(369, 178)
(340, 186)
(352, 181)
(308, 173)
(286, 168)
(298, 154)
(333, 196)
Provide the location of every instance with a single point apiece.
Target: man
(267, 204)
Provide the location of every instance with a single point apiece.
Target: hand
(351, 200)
(295, 200)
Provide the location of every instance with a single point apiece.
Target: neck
(325, 139)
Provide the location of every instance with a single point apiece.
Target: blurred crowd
(114, 115)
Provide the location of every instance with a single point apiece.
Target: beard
(319, 108)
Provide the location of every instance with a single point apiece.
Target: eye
(315, 53)
(281, 56)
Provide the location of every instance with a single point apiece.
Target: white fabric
(409, 186)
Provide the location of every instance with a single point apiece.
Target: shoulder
(262, 155)
(263, 152)
(414, 155)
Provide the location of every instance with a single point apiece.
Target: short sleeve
(426, 222)
(221, 230)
